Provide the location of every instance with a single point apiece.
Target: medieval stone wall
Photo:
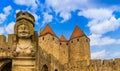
(48, 61)
(53, 54)
(79, 49)
(95, 65)
(63, 58)
(6, 45)
(50, 44)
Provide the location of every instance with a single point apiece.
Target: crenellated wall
(54, 54)
(95, 65)
(6, 45)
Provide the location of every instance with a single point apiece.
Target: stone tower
(79, 47)
(49, 42)
(24, 43)
(63, 50)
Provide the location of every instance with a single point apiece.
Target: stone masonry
(25, 50)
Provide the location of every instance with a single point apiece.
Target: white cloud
(10, 28)
(103, 54)
(2, 30)
(47, 17)
(99, 40)
(29, 3)
(37, 17)
(105, 26)
(99, 14)
(17, 11)
(65, 7)
(99, 55)
(6, 12)
(102, 21)
(65, 16)
(115, 55)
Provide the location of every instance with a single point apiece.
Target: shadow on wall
(44, 68)
(7, 67)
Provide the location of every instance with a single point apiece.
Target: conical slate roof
(62, 38)
(77, 32)
(46, 30)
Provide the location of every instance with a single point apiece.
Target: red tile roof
(62, 38)
(46, 30)
(77, 33)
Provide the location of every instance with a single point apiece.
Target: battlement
(6, 45)
(25, 15)
(95, 65)
(2, 39)
(105, 62)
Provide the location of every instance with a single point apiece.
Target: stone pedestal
(23, 64)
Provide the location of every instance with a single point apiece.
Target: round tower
(79, 46)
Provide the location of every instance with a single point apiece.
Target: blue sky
(99, 19)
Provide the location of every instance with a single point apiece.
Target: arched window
(45, 68)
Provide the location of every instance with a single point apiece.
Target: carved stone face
(23, 31)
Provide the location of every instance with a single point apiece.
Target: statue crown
(25, 15)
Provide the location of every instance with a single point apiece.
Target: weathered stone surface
(26, 51)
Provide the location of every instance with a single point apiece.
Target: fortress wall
(95, 65)
(2, 41)
(49, 60)
(55, 64)
(79, 49)
(43, 59)
(6, 45)
(50, 44)
(63, 52)
(76, 66)
(86, 45)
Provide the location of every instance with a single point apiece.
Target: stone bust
(24, 46)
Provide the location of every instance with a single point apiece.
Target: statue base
(23, 64)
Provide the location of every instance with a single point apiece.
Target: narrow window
(86, 40)
(53, 38)
(60, 43)
(43, 38)
(66, 43)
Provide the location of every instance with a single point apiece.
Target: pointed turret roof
(77, 32)
(46, 30)
(62, 38)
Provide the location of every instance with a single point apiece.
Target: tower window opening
(53, 38)
(60, 43)
(66, 43)
(77, 39)
(43, 38)
(86, 40)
